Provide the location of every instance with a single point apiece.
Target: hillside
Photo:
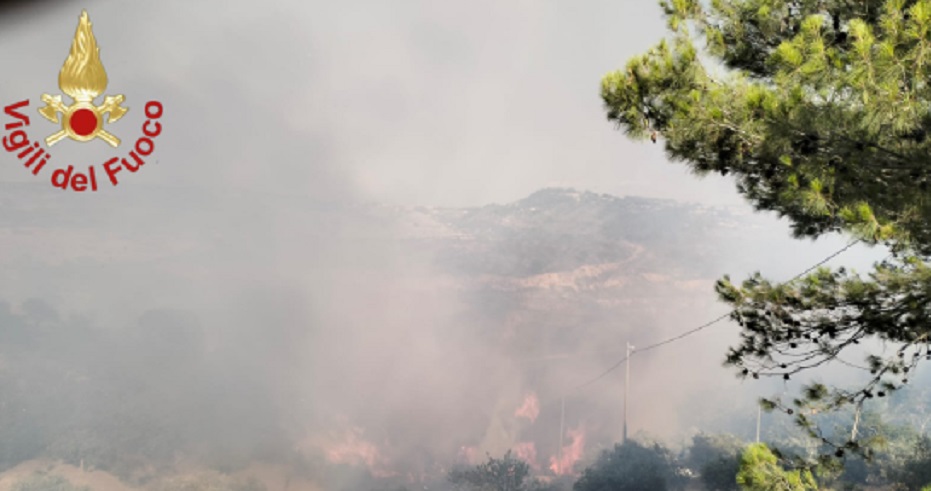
(216, 325)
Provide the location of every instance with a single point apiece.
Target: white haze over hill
(407, 338)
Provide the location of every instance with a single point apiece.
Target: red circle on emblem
(83, 122)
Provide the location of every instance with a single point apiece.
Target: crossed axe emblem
(82, 121)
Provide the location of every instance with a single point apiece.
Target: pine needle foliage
(821, 112)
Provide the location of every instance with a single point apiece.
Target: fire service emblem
(83, 79)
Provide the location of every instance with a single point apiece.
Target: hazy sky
(413, 102)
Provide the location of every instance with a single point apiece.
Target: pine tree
(760, 471)
(821, 110)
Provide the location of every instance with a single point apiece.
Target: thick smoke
(240, 302)
(268, 325)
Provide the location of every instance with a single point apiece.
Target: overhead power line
(705, 325)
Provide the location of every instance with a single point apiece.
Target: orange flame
(527, 452)
(572, 453)
(530, 409)
(355, 450)
(82, 76)
(470, 454)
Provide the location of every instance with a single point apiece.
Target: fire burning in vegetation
(530, 408)
(527, 451)
(470, 454)
(353, 449)
(564, 463)
(349, 446)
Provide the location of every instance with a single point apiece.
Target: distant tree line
(128, 401)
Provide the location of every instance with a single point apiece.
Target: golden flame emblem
(83, 78)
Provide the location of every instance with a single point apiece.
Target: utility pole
(562, 426)
(630, 349)
(759, 414)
